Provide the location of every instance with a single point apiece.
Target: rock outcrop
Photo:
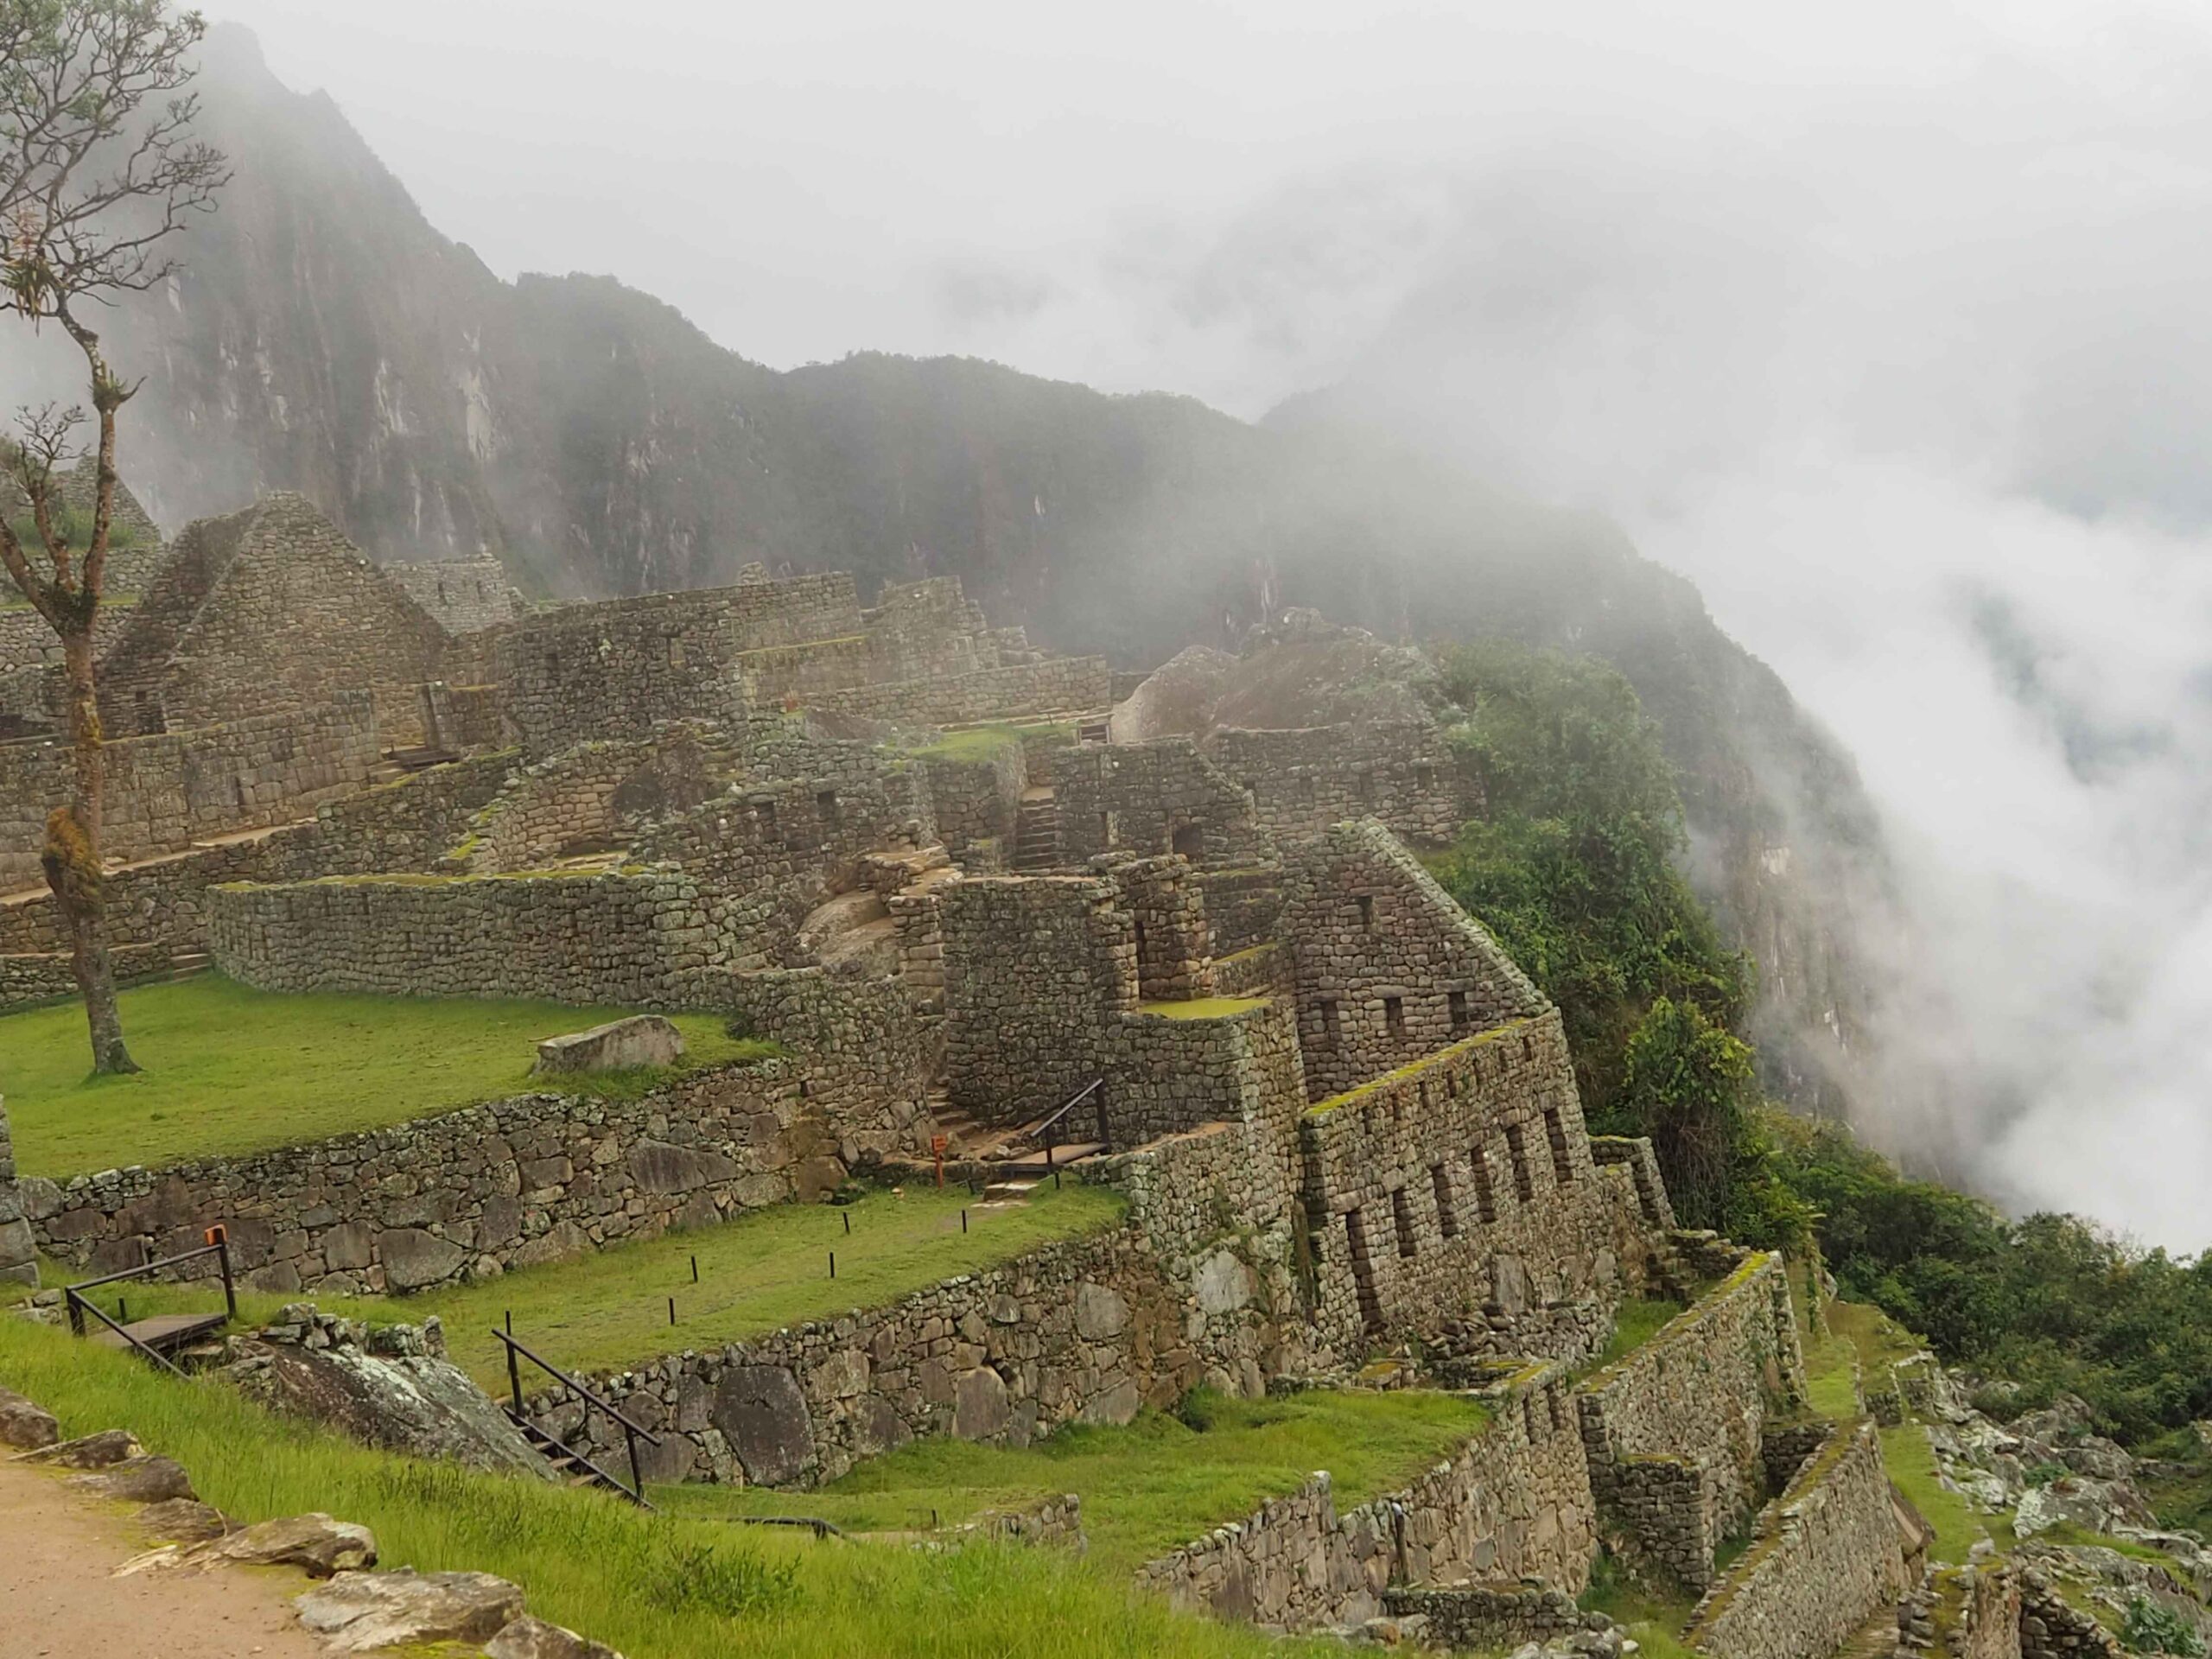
(389, 1386)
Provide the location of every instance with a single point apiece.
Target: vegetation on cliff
(1572, 869)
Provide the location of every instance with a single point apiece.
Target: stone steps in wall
(1037, 832)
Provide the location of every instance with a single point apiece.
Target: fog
(1884, 325)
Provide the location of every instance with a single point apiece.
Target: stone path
(58, 1549)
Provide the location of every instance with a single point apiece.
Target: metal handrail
(631, 1429)
(218, 1245)
(1094, 1087)
(79, 1305)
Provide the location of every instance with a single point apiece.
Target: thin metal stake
(833, 1264)
(695, 1269)
(963, 1221)
(848, 1224)
(671, 1310)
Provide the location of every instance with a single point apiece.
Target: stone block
(620, 1046)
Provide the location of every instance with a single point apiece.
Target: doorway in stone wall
(1363, 1270)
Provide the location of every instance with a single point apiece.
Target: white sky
(1880, 322)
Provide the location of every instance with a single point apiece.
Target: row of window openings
(1524, 1186)
(1394, 1018)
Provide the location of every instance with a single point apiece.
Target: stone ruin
(963, 887)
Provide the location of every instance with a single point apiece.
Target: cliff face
(327, 339)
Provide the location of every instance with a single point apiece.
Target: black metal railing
(218, 1245)
(517, 1351)
(1049, 1135)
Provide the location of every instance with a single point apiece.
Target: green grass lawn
(770, 1270)
(1148, 1488)
(655, 1586)
(230, 1069)
(1638, 1321)
(1879, 1344)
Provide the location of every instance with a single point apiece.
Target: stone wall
(594, 797)
(1825, 1557)
(1463, 1187)
(2053, 1628)
(1035, 969)
(1674, 1429)
(927, 630)
(165, 792)
(461, 595)
(1090, 1331)
(630, 940)
(861, 1045)
(1057, 686)
(28, 640)
(266, 610)
(1973, 1612)
(1513, 1501)
(510, 1184)
(1400, 773)
(976, 801)
(1390, 970)
(1161, 797)
(403, 825)
(1244, 907)
(1492, 1618)
(18, 1248)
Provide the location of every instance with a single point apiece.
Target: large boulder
(138, 1480)
(533, 1638)
(418, 1402)
(414, 1259)
(358, 1612)
(25, 1425)
(110, 1446)
(761, 1412)
(619, 1045)
(314, 1543)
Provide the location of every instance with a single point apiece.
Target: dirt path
(57, 1600)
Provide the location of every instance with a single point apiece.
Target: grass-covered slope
(230, 1069)
(655, 1587)
(1147, 1488)
(761, 1271)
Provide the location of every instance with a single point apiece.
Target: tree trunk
(72, 860)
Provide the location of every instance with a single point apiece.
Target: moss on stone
(1203, 1008)
(1414, 1068)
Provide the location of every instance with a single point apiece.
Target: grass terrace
(981, 742)
(1414, 1068)
(1203, 1008)
(609, 1309)
(1147, 1488)
(230, 1069)
(655, 1586)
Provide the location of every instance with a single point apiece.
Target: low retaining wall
(1674, 1430)
(165, 792)
(506, 1184)
(1825, 1557)
(1492, 1618)
(1055, 685)
(1089, 1330)
(1514, 1501)
(1974, 1612)
(636, 939)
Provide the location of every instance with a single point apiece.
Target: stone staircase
(568, 1465)
(1012, 1162)
(1037, 832)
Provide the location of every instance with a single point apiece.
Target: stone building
(462, 595)
(269, 610)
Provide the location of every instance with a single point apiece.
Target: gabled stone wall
(1400, 773)
(461, 595)
(1390, 970)
(1153, 798)
(977, 802)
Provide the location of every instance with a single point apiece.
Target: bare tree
(98, 171)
